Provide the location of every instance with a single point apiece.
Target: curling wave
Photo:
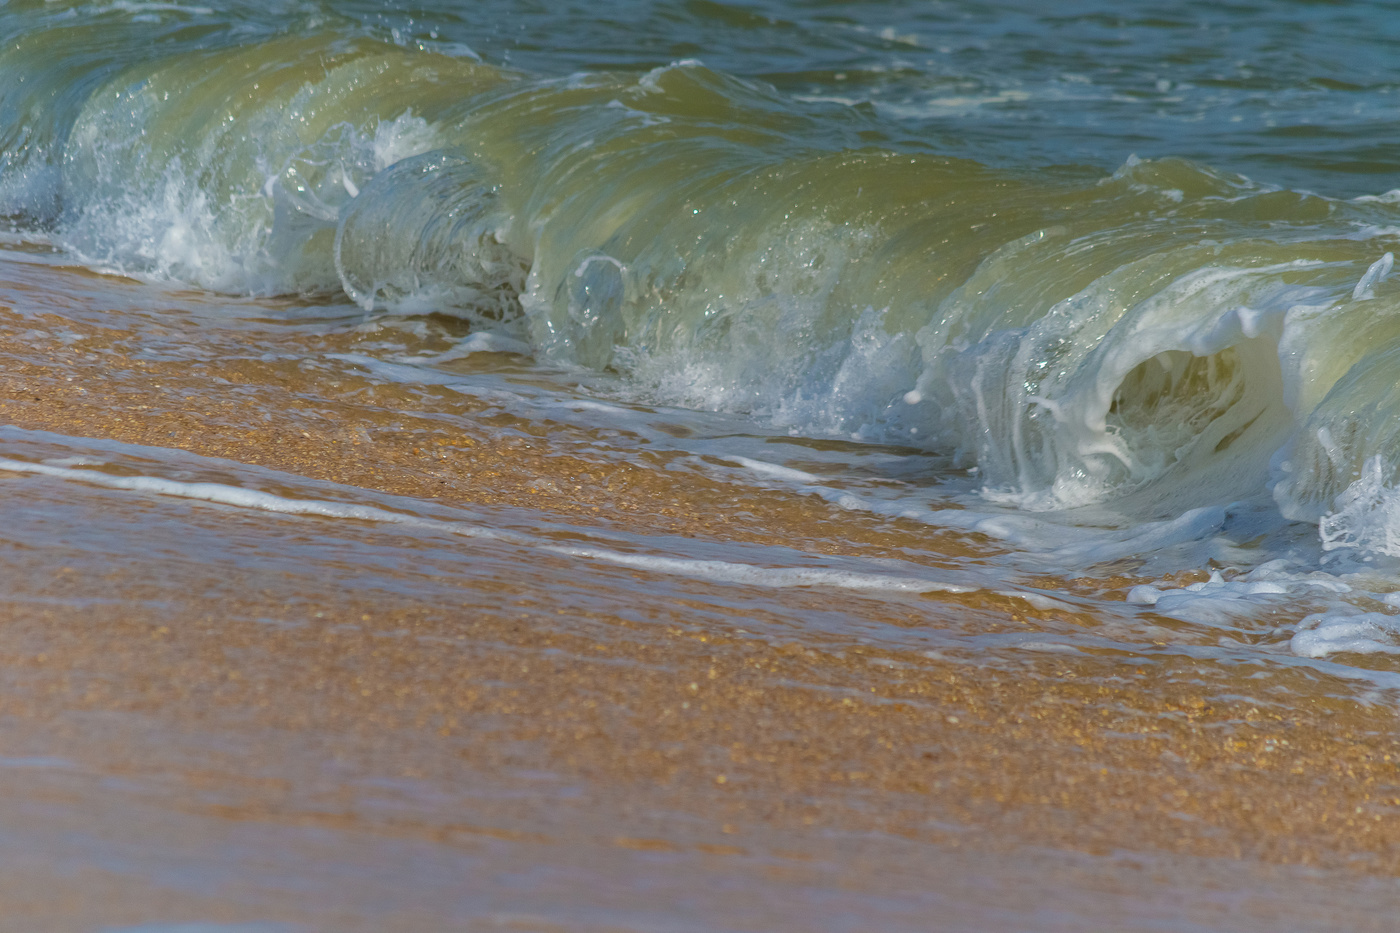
(1154, 341)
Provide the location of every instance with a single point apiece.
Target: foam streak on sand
(715, 570)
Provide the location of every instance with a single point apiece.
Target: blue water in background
(1299, 94)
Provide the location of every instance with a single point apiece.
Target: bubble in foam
(1366, 515)
(403, 137)
(1325, 634)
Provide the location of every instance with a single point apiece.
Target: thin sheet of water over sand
(286, 644)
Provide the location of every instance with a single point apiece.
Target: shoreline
(688, 735)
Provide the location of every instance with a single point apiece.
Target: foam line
(773, 470)
(722, 571)
(715, 570)
(245, 498)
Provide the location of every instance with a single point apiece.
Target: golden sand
(674, 737)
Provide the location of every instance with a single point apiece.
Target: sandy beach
(525, 727)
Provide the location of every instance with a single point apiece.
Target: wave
(1148, 343)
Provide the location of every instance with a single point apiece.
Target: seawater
(1103, 291)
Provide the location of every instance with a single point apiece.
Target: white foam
(715, 570)
(1365, 289)
(1216, 587)
(1337, 607)
(476, 342)
(949, 105)
(1048, 647)
(1325, 634)
(1217, 602)
(721, 571)
(240, 497)
(1365, 515)
(773, 470)
(852, 386)
(163, 220)
(403, 137)
(651, 81)
(1038, 600)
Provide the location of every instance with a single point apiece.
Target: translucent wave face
(229, 169)
(1148, 341)
(444, 251)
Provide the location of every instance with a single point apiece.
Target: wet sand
(311, 756)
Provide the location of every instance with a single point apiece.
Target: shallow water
(888, 345)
